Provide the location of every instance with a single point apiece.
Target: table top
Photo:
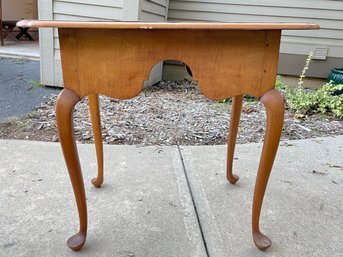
(166, 25)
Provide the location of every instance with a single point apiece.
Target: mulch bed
(168, 113)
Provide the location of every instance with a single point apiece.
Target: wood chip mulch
(168, 113)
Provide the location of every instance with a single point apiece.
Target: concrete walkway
(22, 49)
(172, 201)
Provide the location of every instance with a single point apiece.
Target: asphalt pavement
(20, 89)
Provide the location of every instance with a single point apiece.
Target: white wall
(154, 10)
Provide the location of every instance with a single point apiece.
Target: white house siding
(117, 10)
(295, 44)
(156, 10)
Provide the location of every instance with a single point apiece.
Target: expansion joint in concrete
(194, 204)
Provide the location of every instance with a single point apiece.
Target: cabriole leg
(64, 116)
(234, 122)
(274, 104)
(96, 124)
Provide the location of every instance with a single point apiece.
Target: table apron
(116, 62)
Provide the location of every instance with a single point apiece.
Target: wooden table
(114, 59)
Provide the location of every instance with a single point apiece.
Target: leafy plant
(36, 83)
(279, 84)
(322, 100)
(226, 100)
(302, 76)
(250, 98)
(247, 98)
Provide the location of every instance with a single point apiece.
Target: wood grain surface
(116, 63)
(166, 25)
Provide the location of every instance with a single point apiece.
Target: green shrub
(322, 100)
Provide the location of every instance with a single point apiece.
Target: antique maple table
(114, 59)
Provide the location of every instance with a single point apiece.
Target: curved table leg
(64, 116)
(234, 122)
(96, 124)
(274, 104)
